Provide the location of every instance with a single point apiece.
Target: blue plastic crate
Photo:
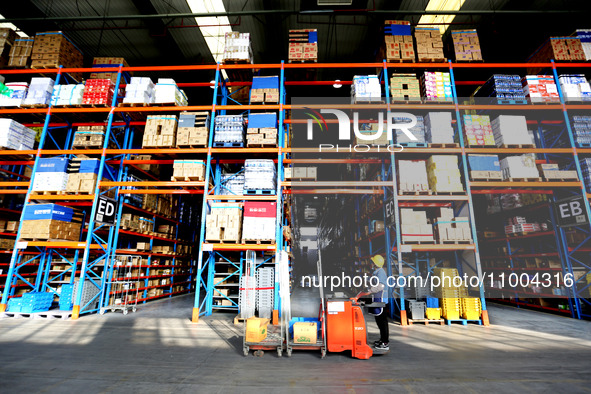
(432, 302)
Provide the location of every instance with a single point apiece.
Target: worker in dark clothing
(380, 294)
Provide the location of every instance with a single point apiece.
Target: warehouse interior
(195, 187)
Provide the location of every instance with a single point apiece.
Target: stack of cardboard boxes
(478, 130)
(559, 48)
(443, 174)
(540, 88)
(192, 129)
(262, 130)
(436, 86)
(167, 92)
(87, 137)
(15, 96)
(259, 221)
(140, 90)
(369, 132)
(51, 175)
(51, 221)
(303, 45)
(188, 170)
(223, 223)
(14, 135)
(237, 48)
(20, 54)
(98, 92)
(399, 43)
(451, 229)
(405, 87)
(503, 87)
(39, 92)
(265, 90)
(484, 167)
(520, 224)
(108, 62)
(160, 131)
(551, 172)
(466, 45)
(438, 128)
(414, 227)
(300, 173)
(10, 226)
(575, 87)
(519, 167)
(366, 88)
(581, 126)
(429, 44)
(65, 95)
(7, 38)
(412, 176)
(511, 130)
(53, 49)
(83, 174)
(417, 131)
(585, 36)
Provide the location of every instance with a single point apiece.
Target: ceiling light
(13, 27)
(441, 20)
(337, 84)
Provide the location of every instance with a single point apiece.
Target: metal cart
(123, 286)
(321, 340)
(273, 341)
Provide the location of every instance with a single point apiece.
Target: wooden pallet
(523, 180)
(482, 179)
(94, 105)
(571, 179)
(258, 241)
(261, 145)
(356, 102)
(464, 322)
(517, 146)
(455, 193)
(46, 193)
(444, 145)
(432, 60)
(400, 60)
(481, 146)
(236, 61)
(303, 61)
(134, 104)
(426, 321)
(406, 101)
(415, 192)
(455, 242)
(77, 192)
(191, 146)
(413, 144)
(87, 147)
(34, 105)
(419, 242)
(186, 178)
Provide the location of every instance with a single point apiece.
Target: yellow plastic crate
(450, 308)
(589, 281)
(433, 313)
(470, 308)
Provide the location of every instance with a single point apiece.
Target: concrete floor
(159, 350)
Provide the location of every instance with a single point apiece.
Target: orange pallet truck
(345, 326)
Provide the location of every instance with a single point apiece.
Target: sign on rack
(570, 212)
(106, 211)
(390, 207)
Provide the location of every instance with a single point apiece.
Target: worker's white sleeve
(377, 288)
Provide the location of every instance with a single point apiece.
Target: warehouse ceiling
(345, 32)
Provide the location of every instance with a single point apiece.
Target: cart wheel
(134, 309)
(259, 353)
(112, 310)
(102, 311)
(288, 352)
(245, 351)
(323, 353)
(125, 311)
(279, 352)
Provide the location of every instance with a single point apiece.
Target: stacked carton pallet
(399, 43)
(51, 175)
(192, 129)
(502, 87)
(540, 88)
(559, 48)
(575, 87)
(223, 223)
(443, 174)
(551, 172)
(7, 38)
(259, 175)
(478, 130)
(83, 175)
(259, 221)
(366, 88)
(52, 49)
(451, 229)
(436, 86)
(237, 48)
(137, 223)
(228, 130)
(189, 170)
(167, 92)
(262, 130)
(417, 131)
(405, 87)
(414, 227)
(520, 225)
(67, 95)
(301, 173)
(466, 45)
(412, 176)
(87, 137)
(104, 62)
(429, 45)
(581, 126)
(98, 92)
(51, 221)
(20, 54)
(484, 167)
(511, 130)
(438, 128)
(520, 167)
(39, 92)
(369, 131)
(265, 90)
(14, 135)
(10, 226)
(140, 90)
(160, 131)
(303, 45)
(15, 96)
(585, 36)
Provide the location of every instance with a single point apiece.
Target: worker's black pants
(382, 322)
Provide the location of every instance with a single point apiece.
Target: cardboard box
(305, 332)
(256, 329)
